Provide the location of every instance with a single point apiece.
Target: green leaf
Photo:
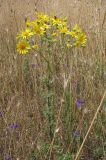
(65, 157)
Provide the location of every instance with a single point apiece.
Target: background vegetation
(26, 130)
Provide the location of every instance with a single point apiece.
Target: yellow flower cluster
(44, 25)
(79, 36)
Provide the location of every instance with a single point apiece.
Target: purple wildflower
(79, 103)
(13, 126)
(1, 113)
(74, 82)
(76, 133)
(65, 65)
(8, 158)
(35, 65)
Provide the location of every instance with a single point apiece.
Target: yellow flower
(79, 36)
(30, 24)
(58, 22)
(63, 30)
(25, 34)
(75, 31)
(38, 27)
(23, 47)
(39, 30)
(69, 45)
(54, 34)
(42, 17)
(54, 40)
(72, 33)
(77, 28)
(35, 46)
(81, 40)
(46, 26)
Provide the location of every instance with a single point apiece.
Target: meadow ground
(29, 130)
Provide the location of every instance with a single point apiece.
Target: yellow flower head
(76, 28)
(58, 22)
(31, 24)
(23, 47)
(69, 45)
(38, 27)
(79, 36)
(54, 34)
(72, 33)
(27, 33)
(46, 26)
(43, 17)
(40, 30)
(81, 40)
(63, 30)
(35, 46)
(75, 31)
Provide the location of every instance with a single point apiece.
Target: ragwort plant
(43, 36)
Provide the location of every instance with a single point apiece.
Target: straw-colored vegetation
(52, 80)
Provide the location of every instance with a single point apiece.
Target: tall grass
(41, 122)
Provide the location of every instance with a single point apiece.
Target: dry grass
(22, 91)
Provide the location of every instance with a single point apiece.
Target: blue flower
(13, 126)
(79, 103)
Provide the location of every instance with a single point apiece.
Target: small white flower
(57, 130)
